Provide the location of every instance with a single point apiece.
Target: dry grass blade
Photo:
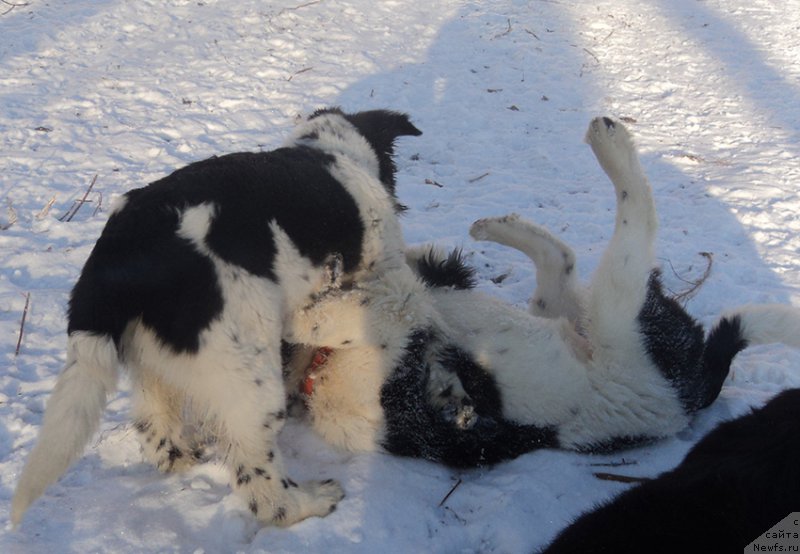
(22, 324)
(694, 285)
(12, 217)
(620, 478)
(452, 490)
(46, 210)
(77, 205)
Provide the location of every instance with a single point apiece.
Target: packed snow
(101, 96)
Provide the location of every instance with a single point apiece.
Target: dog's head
(380, 128)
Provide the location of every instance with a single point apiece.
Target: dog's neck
(333, 134)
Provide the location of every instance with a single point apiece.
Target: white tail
(72, 416)
(768, 323)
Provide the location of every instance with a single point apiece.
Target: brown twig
(99, 204)
(12, 6)
(22, 323)
(504, 33)
(46, 210)
(295, 8)
(478, 178)
(531, 33)
(452, 490)
(293, 75)
(695, 285)
(622, 462)
(77, 205)
(620, 478)
(591, 54)
(12, 217)
(434, 183)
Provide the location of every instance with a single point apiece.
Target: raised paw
(613, 146)
(486, 228)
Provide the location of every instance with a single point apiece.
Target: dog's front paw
(304, 500)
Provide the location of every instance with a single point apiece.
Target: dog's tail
(72, 416)
(736, 330)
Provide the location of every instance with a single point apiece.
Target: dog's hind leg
(158, 420)
(619, 286)
(558, 293)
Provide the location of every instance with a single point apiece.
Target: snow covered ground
(503, 90)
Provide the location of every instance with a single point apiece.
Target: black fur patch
(478, 383)
(735, 484)
(723, 343)
(381, 128)
(674, 341)
(452, 271)
(139, 267)
(415, 428)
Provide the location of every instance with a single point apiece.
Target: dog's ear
(381, 128)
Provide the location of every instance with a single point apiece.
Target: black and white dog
(191, 286)
(736, 483)
(611, 366)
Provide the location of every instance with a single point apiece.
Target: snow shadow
(27, 27)
(745, 61)
(503, 100)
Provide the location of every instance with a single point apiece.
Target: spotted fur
(598, 368)
(191, 285)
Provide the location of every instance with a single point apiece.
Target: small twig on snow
(293, 75)
(622, 462)
(697, 283)
(99, 204)
(504, 33)
(620, 478)
(452, 490)
(434, 183)
(22, 324)
(295, 8)
(46, 210)
(12, 6)
(591, 54)
(478, 178)
(12, 217)
(531, 33)
(77, 205)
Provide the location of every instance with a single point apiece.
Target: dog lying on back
(191, 285)
(735, 484)
(597, 369)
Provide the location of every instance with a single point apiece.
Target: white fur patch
(195, 223)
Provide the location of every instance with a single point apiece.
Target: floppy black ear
(381, 128)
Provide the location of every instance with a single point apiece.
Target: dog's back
(736, 483)
(156, 256)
